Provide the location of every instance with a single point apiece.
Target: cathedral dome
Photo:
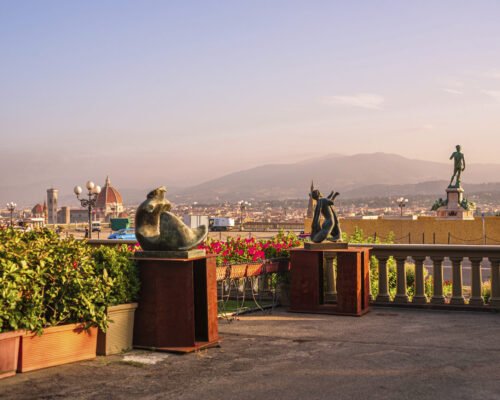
(109, 197)
(37, 210)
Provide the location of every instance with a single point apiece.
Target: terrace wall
(424, 230)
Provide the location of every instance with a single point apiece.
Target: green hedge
(47, 281)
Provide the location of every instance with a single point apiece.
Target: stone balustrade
(433, 258)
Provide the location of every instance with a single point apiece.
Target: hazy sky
(178, 92)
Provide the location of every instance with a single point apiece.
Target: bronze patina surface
(157, 229)
(330, 229)
(458, 166)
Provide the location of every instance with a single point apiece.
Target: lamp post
(243, 205)
(11, 207)
(402, 204)
(89, 202)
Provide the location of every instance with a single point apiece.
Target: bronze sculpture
(458, 166)
(157, 229)
(330, 229)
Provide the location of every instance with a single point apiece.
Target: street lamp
(11, 207)
(89, 202)
(243, 205)
(402, 203)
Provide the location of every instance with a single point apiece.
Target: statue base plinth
(325, 245)
(453, 208)
(307, 288)
(178, 254)
(177, 304)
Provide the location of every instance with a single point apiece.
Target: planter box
(238, 271)
(120, 332)
(9, 352)
(255, 269)
(57, 345)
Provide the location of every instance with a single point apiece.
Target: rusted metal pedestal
(177, 304)
(353, 282)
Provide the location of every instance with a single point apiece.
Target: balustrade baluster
(401, 294)
(383, 280)
(437, 278)
(495, 283)
(476, 298)
(420, 297)
(457, 297)
(331, 284)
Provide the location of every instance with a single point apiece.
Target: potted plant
(13, 280)
(123, 273)
(61, 297)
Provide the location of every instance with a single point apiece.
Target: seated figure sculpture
(330, 229)
(157, 229)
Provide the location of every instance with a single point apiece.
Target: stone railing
(434, 258)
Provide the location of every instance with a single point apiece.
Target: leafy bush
(487, 291)
(358, 236)
(121, 270)
(47, 281)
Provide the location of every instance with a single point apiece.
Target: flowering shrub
(132, 248)
(237, 251)
(47, 281)
(121, 270)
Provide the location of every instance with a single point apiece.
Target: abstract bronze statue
(458, 167)
(156, 228)
(330, 229)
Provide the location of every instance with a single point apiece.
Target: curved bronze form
(157, 229)
(330, 229)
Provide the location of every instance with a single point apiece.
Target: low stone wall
(425, 230)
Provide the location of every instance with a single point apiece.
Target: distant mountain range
(354, 176)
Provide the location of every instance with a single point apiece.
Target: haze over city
(178, 93)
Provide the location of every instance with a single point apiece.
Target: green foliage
(359, 237)
(487, 291)
(121, 270)
(47, 281)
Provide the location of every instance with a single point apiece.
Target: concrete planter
(9, 352)
(120, 332)
(57, 345)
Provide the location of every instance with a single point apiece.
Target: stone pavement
(387, 354)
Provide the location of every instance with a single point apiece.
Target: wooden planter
(57, 345)
(120, 332)
(9, 351)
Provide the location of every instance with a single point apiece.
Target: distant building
(52, 195)
(64, 215)
(109, 202)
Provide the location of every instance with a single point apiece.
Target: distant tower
(45, 212)
(52, 205)
(311, 205)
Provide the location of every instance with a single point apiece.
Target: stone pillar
(383, 281)
(331, 284)
(401, 294)
(476, 298)
(437, 277)
(457, 294)
(495, 283)
(420, 297)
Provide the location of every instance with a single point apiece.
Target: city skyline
(183, 92)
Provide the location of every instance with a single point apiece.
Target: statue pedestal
(177, 303)
(353, 281)
(453, 209)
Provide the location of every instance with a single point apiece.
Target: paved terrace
(387, 354)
